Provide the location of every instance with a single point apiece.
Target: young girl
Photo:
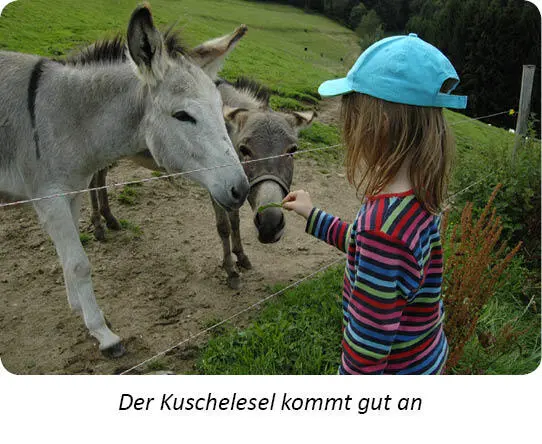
(399, 151)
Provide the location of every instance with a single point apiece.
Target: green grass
(273, 51)
(134, 229)
(509, 305)
(128, 195)
(85, 238)
(157, 365)
(279, 103)
(321, 135)
(299, 333)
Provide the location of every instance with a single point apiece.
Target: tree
(370, 29)
(356, 14)
(487, 41)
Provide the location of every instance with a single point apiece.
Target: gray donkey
(257, 132)
(59, 124)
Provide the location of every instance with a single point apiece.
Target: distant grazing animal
(63, 122)
(257, 132)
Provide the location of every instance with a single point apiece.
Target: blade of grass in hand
(269, 205)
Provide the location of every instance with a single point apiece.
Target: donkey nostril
(281, 222)
(236, 195)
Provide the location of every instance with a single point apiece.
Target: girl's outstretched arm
(320, 224)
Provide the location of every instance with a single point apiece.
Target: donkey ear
(301, 119)
(145, 45)
(235, 116)
(210, 55)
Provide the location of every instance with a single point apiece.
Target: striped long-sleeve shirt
(392, 306)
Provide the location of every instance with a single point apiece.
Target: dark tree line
(488, 41)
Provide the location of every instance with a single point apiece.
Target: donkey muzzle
(270, 225)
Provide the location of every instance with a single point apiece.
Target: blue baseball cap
(401, 69)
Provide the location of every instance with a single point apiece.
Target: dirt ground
(157, 285)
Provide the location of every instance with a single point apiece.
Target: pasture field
(159, 280)
(288, 50)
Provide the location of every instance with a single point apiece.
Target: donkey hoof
(234, 282)
(244, 262)
(113, 224)
(99, 233)
(115, 351)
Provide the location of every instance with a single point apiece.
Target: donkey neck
(105, 104)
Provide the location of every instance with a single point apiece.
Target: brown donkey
(257, 132)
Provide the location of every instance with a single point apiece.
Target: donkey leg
(237, 246)
(58, 219)
(95, 218)
(110, 220)
(224, 230)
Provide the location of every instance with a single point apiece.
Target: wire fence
(173, 175)
(184, 173)
(293, 285)
(218, 324)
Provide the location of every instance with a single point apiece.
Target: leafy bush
(519, 198)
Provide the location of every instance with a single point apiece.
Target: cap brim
(334, 87)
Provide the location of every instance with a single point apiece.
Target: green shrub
(519, 199)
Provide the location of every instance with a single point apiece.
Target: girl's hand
(298, 201)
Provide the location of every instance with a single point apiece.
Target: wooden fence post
(524, 107)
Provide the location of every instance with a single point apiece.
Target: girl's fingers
(287, 206)
(292, 195)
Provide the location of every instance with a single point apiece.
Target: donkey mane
(113, 50)
(255, 89)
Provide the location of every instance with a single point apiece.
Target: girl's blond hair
(380, 136)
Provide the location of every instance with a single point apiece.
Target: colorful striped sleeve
(328, 228)
(386, 275)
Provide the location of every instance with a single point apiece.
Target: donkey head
(183, 123)
(257, 133)
(260, 134)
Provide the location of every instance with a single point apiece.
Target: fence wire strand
(165, 176)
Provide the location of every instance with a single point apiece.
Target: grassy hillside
(292, 52)
(288, 50)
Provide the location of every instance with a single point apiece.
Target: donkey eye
(292, 149)
(245, 152)
(183, 116)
